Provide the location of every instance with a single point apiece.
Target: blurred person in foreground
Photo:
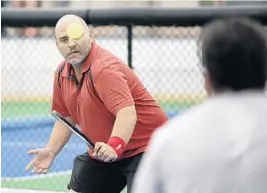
(218, 146)
(97, 91)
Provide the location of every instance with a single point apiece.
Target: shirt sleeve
(148, 177)
(112, 86)
(57, 99)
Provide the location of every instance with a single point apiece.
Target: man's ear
(91, 36)
(208, 83)
(57, 43)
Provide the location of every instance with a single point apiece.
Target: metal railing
(131, 17)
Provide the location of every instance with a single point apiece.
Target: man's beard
(77, 61)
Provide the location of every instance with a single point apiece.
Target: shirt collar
(68, 69)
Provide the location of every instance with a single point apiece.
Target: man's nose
(71, 43)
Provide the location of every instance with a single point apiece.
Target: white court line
(10, 190)
(49, 175)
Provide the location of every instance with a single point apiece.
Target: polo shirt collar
(68, 69)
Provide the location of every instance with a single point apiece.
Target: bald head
(64, 22)
(73, 38)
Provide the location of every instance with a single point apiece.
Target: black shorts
(92, 176)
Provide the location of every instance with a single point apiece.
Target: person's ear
(91, 36)
(56, 42)
(208, 83)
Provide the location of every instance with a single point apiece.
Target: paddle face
(73, 129)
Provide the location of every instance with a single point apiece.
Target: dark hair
(234, 53)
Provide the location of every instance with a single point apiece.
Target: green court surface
(49, 183)
(30, 109)
(24, 109)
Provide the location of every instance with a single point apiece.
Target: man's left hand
(104, 152)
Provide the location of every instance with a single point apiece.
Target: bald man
(97, 91)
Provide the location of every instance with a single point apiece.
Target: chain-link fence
(164, 58)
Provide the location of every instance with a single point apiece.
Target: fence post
(129, 44)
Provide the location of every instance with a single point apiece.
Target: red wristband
(117, 144)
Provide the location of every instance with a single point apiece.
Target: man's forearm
(59, 137)
(125, 123)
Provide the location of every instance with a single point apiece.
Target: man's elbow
(128, 113)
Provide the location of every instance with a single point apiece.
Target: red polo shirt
(118, 87)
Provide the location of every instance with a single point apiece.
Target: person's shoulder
(107, 61)
(187, 132)
(170, 132)
(60, 66)
(187, 121)
(192, 113)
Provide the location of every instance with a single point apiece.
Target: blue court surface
(21, 135)
(29, 134)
